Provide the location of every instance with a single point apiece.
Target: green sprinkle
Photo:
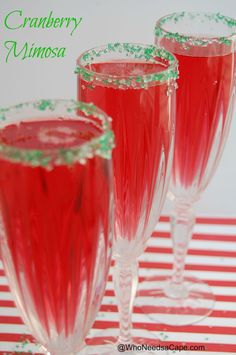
(44, 105)
(99, 146)
(161, 32)
(147, 53)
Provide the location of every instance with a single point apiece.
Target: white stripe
(96, 349)
(209, 275)
(16, 329)
(202, 338)
(204, 275)
(3, 280)
(9, 311)
(141, 318)
(194, 244)
(219, 305)
(144, 272)
(217, 290)
(6, 296)
(20, 347)
(202, 228)
(191, 259)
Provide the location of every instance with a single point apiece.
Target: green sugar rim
(149, 53)
(193, 40)
(99, 146)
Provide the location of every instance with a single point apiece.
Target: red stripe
(225, 298)
(160, 234)
(221, 283)
(6, 303)
(212, 220)
(206, 220)
(4, 288)
(10, 320)
(148, 309)
(164, 219)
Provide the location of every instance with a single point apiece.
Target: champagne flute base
(175, 305)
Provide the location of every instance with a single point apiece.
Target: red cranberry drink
(55, 200)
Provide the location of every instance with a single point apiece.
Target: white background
(103, 21)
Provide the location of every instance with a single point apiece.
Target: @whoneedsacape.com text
(122, 348)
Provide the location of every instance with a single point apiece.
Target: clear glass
(56, 216)
(204, 45)
(135, 84)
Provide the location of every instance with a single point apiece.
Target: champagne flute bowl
(56, 216)
(135, 85)
(204, 44)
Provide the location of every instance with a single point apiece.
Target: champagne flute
(204, 44)
(55, 216)
(135, 85)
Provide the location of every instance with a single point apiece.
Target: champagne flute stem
(182, 223)
(125, 285)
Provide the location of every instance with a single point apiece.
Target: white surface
(103, 21)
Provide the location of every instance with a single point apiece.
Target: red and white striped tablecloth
(212, 257)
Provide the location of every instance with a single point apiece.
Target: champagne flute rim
(180, 37)
(147, 52)
(101, 145)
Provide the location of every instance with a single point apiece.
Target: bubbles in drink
(57, 135)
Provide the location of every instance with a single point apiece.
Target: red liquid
(203, 98)
(56, 225)
(142, 126)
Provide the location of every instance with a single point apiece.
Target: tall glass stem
(182, 223)
(125, 285)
